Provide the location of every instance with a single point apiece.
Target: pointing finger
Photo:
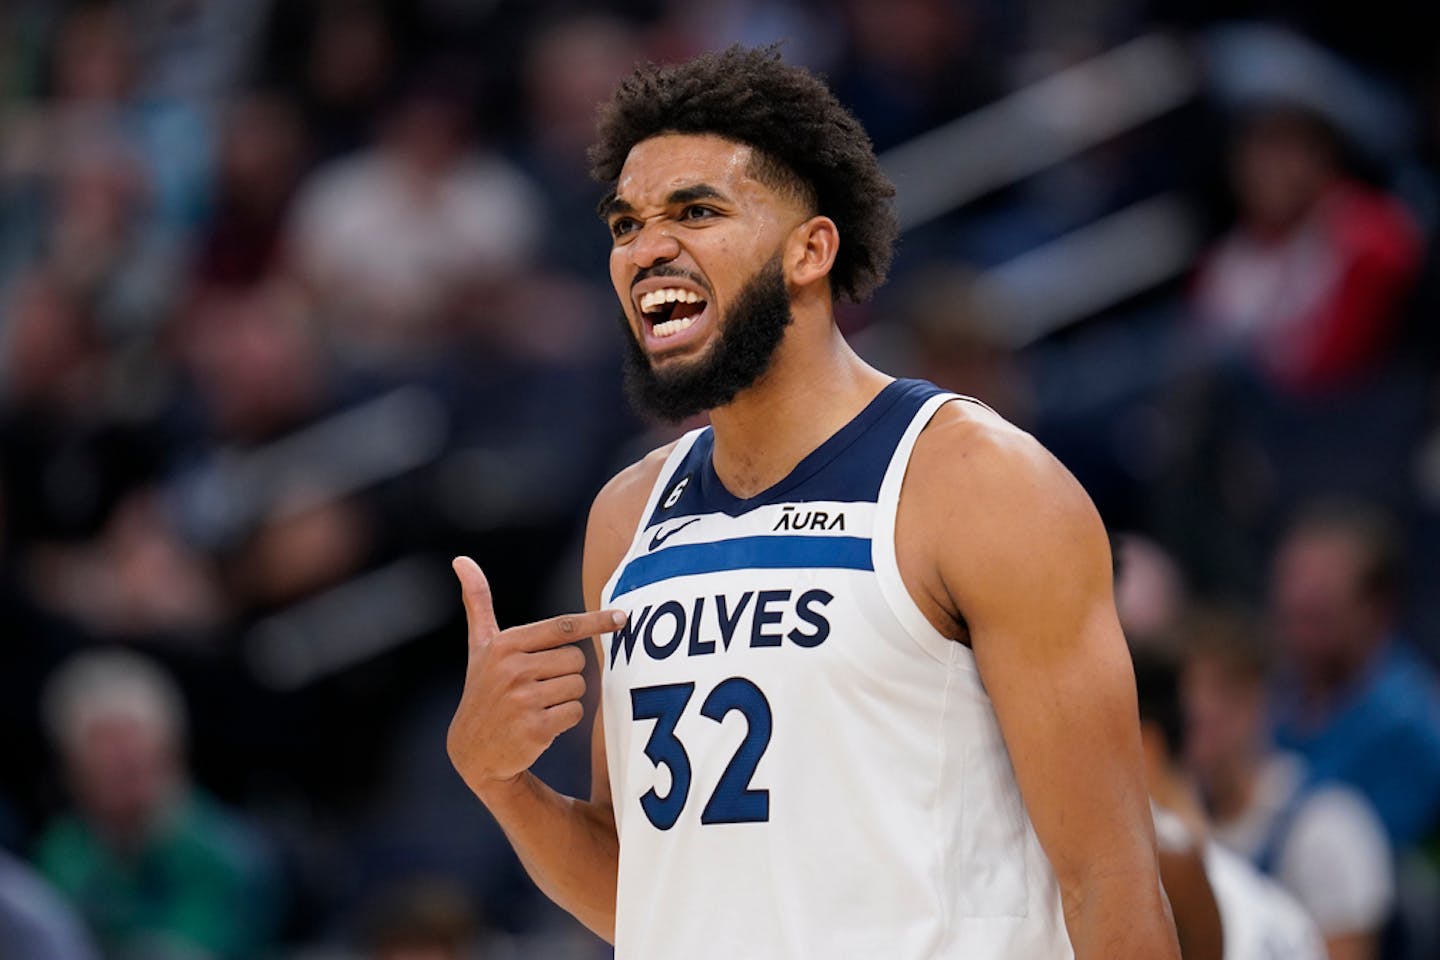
(479, 608)
(558, 631)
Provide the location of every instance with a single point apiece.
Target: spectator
(1310, 278)
(158, 869)
(393, 239)
(262, 155)
(1355, 700)
(1320, 840)
(1258, 919)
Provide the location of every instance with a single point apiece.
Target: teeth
(671, 327)
(658, 298)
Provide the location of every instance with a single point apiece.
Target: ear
(811, 251)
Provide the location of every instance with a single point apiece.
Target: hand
(522, 686)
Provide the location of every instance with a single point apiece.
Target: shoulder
(1337, 860)
(977, 479)
(967, 447)
(1336, 825)
(624, 495)
(615, 514)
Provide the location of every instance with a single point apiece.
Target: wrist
(497, 791)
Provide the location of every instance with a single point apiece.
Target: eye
(697, 211)
(621, 226)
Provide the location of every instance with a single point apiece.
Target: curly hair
(804, 140)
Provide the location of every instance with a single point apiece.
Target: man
(1354, 696)
(1258, 920)
(156, 868)
(1320, 840)
(864, 692)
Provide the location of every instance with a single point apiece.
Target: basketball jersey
(1259, 919)
(800, 764)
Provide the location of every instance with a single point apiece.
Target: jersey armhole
(662, 482)
(887, 568)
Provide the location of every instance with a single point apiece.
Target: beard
(740, 353)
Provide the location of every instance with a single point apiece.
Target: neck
(815, 385)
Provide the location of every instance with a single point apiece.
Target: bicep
(1063, 693)
(1033, 584)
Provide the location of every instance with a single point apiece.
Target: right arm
(523, 688)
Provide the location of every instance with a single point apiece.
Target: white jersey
(801, 765)
(1260, 920)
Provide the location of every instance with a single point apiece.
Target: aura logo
(792, 519)
(675, 492)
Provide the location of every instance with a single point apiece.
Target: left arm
(1023, 562)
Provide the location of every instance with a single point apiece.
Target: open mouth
(671, 310)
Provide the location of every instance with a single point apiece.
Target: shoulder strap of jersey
(660, 488)
(887, 508)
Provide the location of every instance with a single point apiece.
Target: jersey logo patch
(792, 519)
(662, 535)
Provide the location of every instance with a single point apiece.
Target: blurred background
(300, 299)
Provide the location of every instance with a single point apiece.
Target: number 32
(733, 801)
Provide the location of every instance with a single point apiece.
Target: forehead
(659, 165)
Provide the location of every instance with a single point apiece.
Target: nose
(654, 244)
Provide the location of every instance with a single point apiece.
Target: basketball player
(864, 694)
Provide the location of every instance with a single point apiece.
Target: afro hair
(803, 138)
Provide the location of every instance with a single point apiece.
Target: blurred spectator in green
(157, 868)
(1356, 701)
(1320, 840)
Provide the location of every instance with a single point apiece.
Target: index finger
(562, 630)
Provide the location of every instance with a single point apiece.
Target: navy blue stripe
(745, 553)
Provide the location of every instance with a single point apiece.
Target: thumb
(479, 608)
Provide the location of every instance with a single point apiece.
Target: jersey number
(733, 801)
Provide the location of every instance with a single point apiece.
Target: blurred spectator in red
(1321, 840)
(1355, 701)
(262, 156)
(1310, 279)
(393, 240)
(157, 868)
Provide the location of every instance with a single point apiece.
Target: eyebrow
(611, 204)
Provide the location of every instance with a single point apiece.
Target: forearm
(1112, 921)
(568, 846)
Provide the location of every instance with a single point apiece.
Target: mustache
(668, 270)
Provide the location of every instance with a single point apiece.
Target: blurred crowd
(300, 299)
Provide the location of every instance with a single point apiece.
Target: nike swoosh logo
(662, 535)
